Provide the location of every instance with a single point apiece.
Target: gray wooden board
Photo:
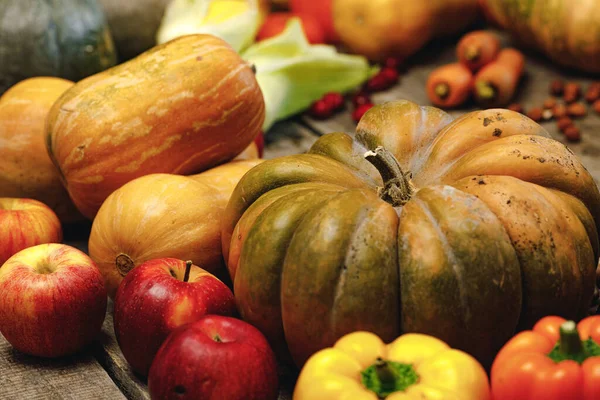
(77, 377)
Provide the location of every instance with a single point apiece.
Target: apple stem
(188, 268)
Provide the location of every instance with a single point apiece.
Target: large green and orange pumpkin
(465, 229)
(180, 108)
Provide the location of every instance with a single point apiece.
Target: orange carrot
(496, 83)
(477, 48)
(449, 85)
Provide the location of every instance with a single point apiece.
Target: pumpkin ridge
(447, 251)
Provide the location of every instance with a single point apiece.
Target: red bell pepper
(550, 362)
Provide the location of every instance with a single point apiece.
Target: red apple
(259, 141)
(53, 300)
(25, 223)
(214, 358)
(158, 296)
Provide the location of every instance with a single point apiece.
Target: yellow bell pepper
(414, 366)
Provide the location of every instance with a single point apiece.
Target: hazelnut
(557, 87)
(596, 106)
(571, 92)
(563, 123)
(559, 110)
(516, 107)
(549, 103)
(573, 134)
(576, 110)
(535, 114)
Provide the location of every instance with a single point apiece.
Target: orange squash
(566, 31)
(398, 28)
(26, 171)
(181, 107)
(163, 215)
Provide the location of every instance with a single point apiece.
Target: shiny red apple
(52, 300)
(214, 358)
(158, 296)
(25, 223)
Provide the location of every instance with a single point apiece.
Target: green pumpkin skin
(69, 39)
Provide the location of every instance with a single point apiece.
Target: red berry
(384, 79)
(377, 83)
(334, 100)
(361, 98)
(392, 62)
(321, 110)
(390, 74)
(360, 111)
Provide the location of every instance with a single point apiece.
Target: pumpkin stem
(188, 268)
(124, 263)
(397, 188)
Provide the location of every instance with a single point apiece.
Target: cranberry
(358, 113)
(363, 98)
(390, 74)
(334, 100)
(321, 110)
(392, 62)
(377, 83)
(384, 79)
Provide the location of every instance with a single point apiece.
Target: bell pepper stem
(188, 269)
(398, 188)
(385, 373)
(570, 342)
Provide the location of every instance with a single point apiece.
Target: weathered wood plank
(533, 90)
(289, 137)
(77, 377)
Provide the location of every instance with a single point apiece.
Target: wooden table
(101, 372)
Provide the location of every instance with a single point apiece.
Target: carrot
(477, 48)
(449, 85)
(496, 83)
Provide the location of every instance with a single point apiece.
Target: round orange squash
(26, 170)
(163, 215)
(466, 230)
(181, 107)
(398, 28)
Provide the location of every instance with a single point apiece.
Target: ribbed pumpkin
(181, 107)
(26, 171)
(567, 31)
(466, 230)
(164, 215)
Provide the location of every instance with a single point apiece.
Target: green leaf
(293, 74)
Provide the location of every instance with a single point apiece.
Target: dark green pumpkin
(495, 228)
(64, 38)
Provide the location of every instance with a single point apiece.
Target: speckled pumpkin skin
(501, 230)
(180, 108)
(567, 31)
